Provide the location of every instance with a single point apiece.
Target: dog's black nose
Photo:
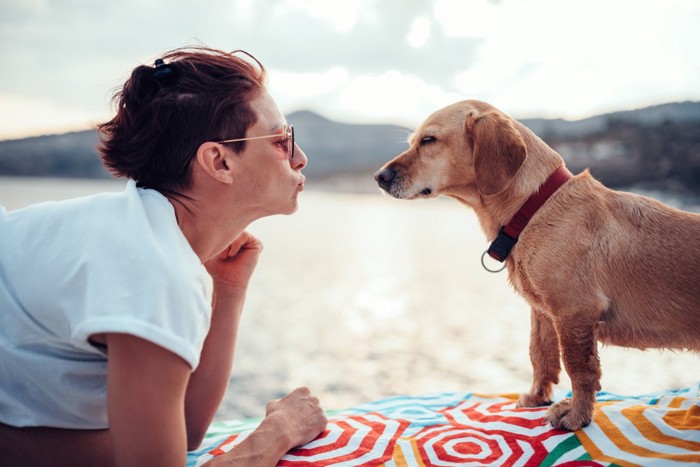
(384, 177)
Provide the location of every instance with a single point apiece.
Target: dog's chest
(522, 284)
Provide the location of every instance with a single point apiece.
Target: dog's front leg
(580, 354)
(544, 355)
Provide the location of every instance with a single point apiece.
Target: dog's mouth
(401, 192)
(394, 184)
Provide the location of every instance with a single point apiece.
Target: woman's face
(272, 180)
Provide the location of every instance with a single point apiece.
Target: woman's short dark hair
(165, 112)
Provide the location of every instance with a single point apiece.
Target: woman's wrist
(230, 288)
(275, 425)
(228, 300)
(229, 297)
(263, 447)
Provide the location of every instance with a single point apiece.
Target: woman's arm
(145, 397)
(146, 386)
(231, 271)
(207, 385)
(290, 422)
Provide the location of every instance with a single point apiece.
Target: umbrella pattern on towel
(462, 429)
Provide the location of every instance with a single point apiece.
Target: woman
(119, 312)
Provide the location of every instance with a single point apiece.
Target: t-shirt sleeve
(145, 281)
(173, 315)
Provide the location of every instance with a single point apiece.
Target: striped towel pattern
(464, 429)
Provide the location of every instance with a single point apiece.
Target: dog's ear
(498, 148)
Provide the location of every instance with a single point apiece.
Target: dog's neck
(496, 211)
(508, 234)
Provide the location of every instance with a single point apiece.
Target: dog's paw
(532, 400)
(565, 416)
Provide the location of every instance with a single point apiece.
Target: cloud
(35, 116)
(392, 97)
(534, 57)
(571, 60)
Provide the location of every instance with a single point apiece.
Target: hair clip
(164, 72)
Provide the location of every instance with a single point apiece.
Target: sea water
(359, 297)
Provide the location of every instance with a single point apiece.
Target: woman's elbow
(195, 436)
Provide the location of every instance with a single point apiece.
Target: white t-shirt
(112, 262)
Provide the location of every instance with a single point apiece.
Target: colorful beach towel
(465, 429)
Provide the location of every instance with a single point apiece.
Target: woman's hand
(290, 422)
(234, 266)
(299, 416)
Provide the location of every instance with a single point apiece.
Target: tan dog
(594, 264)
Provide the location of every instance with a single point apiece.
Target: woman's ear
(215, 161)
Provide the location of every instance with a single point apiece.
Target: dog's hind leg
(544, 355)
(580, 354)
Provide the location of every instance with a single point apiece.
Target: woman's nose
(299, 160)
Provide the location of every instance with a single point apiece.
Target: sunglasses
(288, 136)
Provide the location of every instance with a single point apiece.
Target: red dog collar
(508, 235)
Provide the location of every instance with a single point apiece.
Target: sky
(357, 61)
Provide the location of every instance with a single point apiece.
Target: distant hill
(656, 147)
(65, 155)
(334, 147)
(558, 129)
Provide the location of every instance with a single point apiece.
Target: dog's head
(467, 149)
